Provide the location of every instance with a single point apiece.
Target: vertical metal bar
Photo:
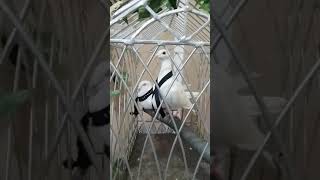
(75, 94)
(57, 86)
(33, 103)
(46, 138)
(8, 156)
(32, 118)
(52, 50)
(61, 46)
(9, 144)
(291, 113)
(58, 123)
(46, 119)
(58, 115)
(68, 137)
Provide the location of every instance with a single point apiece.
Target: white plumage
(143, 88)
(235, 117)
(96, 122)
(176, 97)
(235, 122)
(98, 100)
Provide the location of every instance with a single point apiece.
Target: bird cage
(249, 39)
(37, 51)
(146, 146)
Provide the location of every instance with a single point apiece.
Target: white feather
(195, 94)
(235, 115)
(176, 97)
(143, 88)
(98, 77)
(100, 99)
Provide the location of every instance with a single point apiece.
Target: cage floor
(162, 145)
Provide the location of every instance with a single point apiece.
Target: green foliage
(155, 5)
(204, 5)
(115, 93)
(10, 102)
(172, 3)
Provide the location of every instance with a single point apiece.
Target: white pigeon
(235, 120)
(98, 79)
(143, 88)
(99, 100)
(146, 100)
(96, 121)
(235, 116)
(176, 97)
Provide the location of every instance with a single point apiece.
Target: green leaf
(115, 93)
(155, 5)
(205, 7)
(173, 3)
(143, 13)
(10, 102)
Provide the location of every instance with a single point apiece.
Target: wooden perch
(187, 134)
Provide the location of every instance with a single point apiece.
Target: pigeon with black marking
(146, 99)
(171, 90)
(235, 122)
(96, 122)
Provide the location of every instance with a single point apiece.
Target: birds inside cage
(160, 102)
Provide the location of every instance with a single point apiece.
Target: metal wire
(265, 113)
(75, 94)
(15, 88)
(56, 84)
(282, 114)
(131, 42)
(62, 99)
(229, 21)
(8, 46)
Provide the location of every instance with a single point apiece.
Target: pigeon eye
(163, 52)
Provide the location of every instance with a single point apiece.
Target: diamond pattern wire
(43, 65)
(221, 35)
(134, 51)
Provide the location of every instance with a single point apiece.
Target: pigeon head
(163, 54)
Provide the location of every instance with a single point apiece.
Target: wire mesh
(38, 59)
(184, 33)
(283, 51)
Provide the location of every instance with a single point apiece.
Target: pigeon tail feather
(189, 106)
(195, 94)
(273, 104)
